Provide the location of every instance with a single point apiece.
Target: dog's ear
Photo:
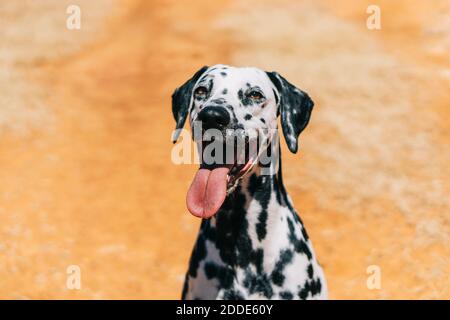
(181, 100)
(295, 107)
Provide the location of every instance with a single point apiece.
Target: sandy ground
(85, 122)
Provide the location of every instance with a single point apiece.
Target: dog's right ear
(181, 101)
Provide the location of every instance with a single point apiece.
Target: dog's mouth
(213, 182)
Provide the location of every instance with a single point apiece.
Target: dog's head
(238, 102)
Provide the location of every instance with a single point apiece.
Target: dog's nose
(214, 117)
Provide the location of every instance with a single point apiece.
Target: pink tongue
(207, 192)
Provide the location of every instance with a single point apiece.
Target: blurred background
(85, 124)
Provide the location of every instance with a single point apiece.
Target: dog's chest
(246, 253)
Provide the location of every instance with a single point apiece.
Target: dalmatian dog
(251, 243)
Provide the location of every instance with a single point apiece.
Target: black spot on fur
(241, 95)
(286, 295)
(279, 189)
(225, 91)
(277, 274)
(303, 293)
(223, 74)
(261, 226)
(258, 258)
(304, 234)
(258, 283)
(278, 192)
(310, 271)
(278, 278)
(198, 254)
(316, 287)
(211, 270)
(262, 120)
(312, 287)
(233, 294)
(299, 244)
(260, 189)
(185, 288)
(248, 116)
(222, 274)
(299, 222)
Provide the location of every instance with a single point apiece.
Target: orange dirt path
(85, 151)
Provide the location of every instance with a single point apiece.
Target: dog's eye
(200, 92)
(255, 95)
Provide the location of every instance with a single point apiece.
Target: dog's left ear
(295, 107)
(181, 100)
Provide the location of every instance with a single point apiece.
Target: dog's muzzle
(215, 179)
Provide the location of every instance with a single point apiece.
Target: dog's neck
(252, 215)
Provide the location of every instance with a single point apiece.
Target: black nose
(214, 117)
